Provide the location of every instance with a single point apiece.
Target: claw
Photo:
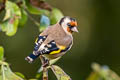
(46, 63)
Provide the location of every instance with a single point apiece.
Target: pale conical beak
(74, 29)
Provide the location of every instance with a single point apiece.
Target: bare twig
(36, 23)
(45, 73)
(41, 4)
(45, 69)
(2, 5)
(19, 3)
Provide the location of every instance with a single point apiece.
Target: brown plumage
(61, 36)
(57, 34)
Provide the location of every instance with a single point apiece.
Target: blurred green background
(98, 39)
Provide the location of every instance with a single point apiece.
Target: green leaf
(11, 19)
(11, 10)
(20, 74)
(55, 15)
(1, 53)
(23, 18)
(5, 71)
(7, 74)
(93, 76)
(34, 10)
(0, 77)
(102, 73)
(38, 75)
(10, 26)
(33, 79)
(40, 71)
(44, 22)
(0, 73)
(52, 61)
(60, 74)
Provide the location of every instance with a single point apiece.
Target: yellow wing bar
(59, 50)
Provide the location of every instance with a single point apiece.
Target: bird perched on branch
(54, 41)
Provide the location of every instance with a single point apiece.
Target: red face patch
(73, 23)
(69, 30)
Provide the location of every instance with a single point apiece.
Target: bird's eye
(69, 24)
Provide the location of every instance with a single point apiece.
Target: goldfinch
(55, 40)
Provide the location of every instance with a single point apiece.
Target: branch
(45, 69)
(32, 19)
(41, 4)
(45, 73)
(2, 6)
(19, 3)
(36, 3)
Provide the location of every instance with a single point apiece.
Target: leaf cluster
(17, 14)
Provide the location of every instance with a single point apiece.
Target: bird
(55, 40)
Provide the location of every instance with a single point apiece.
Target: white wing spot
(53, 42)
(40, 41)
(46, 49)
(49, 45)
(44, 37)
(36, 43)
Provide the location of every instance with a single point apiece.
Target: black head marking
(62, 19)
(70, 26)
(72, 19)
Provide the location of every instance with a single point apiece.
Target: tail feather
(31, 58)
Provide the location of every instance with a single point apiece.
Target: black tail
(31, 58)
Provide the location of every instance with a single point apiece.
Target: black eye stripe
(71, 19)
(70, 26)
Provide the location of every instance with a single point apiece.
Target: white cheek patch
(65, 22)
(64, 25)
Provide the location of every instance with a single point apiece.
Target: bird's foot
(46, 63)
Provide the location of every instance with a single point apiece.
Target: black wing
(48, 49)
(38, 42)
